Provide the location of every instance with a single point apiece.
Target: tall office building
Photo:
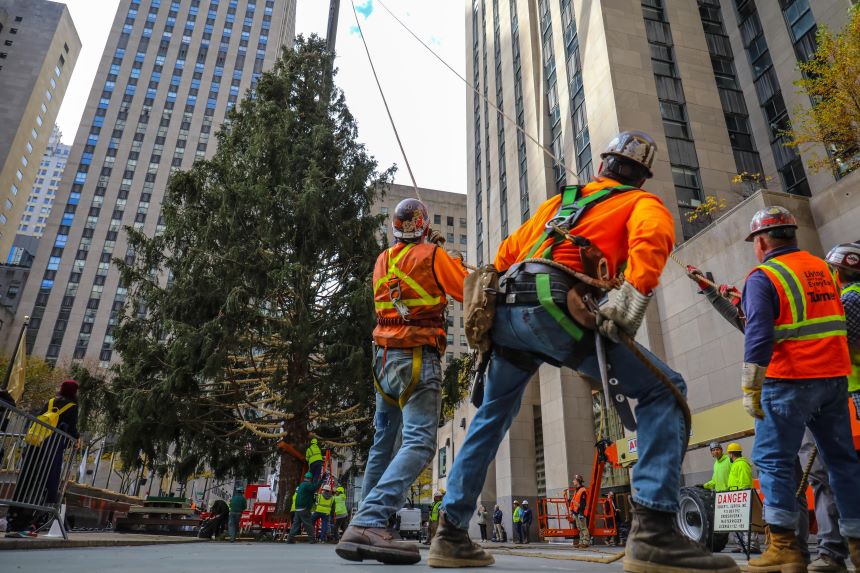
(38, 50)
(447, 215)
(170, 72)
(44, 189)
(713, 82)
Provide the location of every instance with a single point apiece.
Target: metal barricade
(33, 478)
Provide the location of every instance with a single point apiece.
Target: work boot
(452, 547)
(655, 545)
(854, 550)
(382, 544)
(783, 554)
(827, 564)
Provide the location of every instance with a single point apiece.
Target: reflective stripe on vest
(424, 298)
(434, 512)
(800, 327)
(324, 505)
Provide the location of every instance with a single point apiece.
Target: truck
(410, 522)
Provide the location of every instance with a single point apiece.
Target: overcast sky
(428, 102)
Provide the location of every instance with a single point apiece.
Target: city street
(207, 557)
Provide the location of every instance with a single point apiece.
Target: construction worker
(795, 370)
(434, 515)
(741, 471)
(237, 506)
(845, 258)
(341, 513)
(526, 522)
(611, 510)
(314, 458)
(578, 509)
(323, 510)
(634, 231)
(412, 281)
(517, 517)
(304, 505)
(722, 467)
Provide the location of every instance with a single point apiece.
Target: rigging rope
(384, 100)
(522, 130)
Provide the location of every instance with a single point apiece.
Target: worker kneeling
(532, 326)
(410, 282)
(796, 364)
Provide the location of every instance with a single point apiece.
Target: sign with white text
(732, 510)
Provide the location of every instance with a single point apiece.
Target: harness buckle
(394, 293)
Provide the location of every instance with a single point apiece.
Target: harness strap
(417, 362)
(542, 282)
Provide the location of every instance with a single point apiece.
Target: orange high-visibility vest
(578, 499)
(405, 272)
(810, 336)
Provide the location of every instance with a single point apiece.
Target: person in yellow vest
(341, 513)
(578, 509)
(434, 514)
(517, 518)
(795, 375)
(722, 467)
(323, 511)
(412, 282)
(845, 259)
(314, 458)
(740, 476)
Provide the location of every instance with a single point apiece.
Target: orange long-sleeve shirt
(633, 227)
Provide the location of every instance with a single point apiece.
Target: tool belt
(399, 321)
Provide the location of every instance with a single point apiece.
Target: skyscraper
(170, 72)
(712, 82)
(43, 193)
(38, 50)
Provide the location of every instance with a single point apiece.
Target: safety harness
(413, 382)
(392, 280)
(572, 208)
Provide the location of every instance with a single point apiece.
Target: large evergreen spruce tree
(249, 316)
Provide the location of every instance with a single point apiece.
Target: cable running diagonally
(384, 100)
(545, 149)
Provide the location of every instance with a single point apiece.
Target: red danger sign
(732, 510)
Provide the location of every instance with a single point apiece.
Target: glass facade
(522, 158)
(581, 138)
(477, 34)
(551, 90)
(500, 123)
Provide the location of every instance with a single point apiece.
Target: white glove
(752, 378)
(624, 311)
(435, 237)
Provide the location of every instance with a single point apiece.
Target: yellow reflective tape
(793, 291)
(410, 302)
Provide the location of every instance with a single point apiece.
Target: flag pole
(15, 354)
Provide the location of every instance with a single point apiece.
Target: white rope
(522, 130)
(384, 100)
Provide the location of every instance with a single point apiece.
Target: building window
(443, 461)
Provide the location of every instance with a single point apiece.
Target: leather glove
(730, 293)
(623, 312)
(752, 378)
(698, 276)
(435, 237)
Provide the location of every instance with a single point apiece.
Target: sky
(427, 101)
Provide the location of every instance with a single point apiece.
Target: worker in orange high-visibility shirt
(534, 324)
(411, 283)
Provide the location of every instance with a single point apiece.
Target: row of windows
(522, 159)
(500, 123)
(581, 137)
(553, 108)
(477, 33)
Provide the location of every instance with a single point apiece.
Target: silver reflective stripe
(795, 289)
(834, 327)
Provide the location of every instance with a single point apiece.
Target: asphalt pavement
(241, 557)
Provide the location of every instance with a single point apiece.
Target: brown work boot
(854, 551)
(783, 554)
(452, 547)
(381, 544)
(655, 545)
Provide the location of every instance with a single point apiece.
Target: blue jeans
(324, 525)
(789, 407)
(661, 432)
(387, 476)
(233, 524)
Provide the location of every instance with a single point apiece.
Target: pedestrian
(314, 459)
(434, 514)
(526, 522)
(795, 374)
(518, 522)
(482, 522)
(42, 464)
(412, 281)
(579, 510)
(533, 324)
(498, 536)
(845, 260)
(341, 514)
(323, 511)
(237, 506)
(722, 467)
(304, 505)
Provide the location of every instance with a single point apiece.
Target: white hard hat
(436, 493)
(525, 502)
